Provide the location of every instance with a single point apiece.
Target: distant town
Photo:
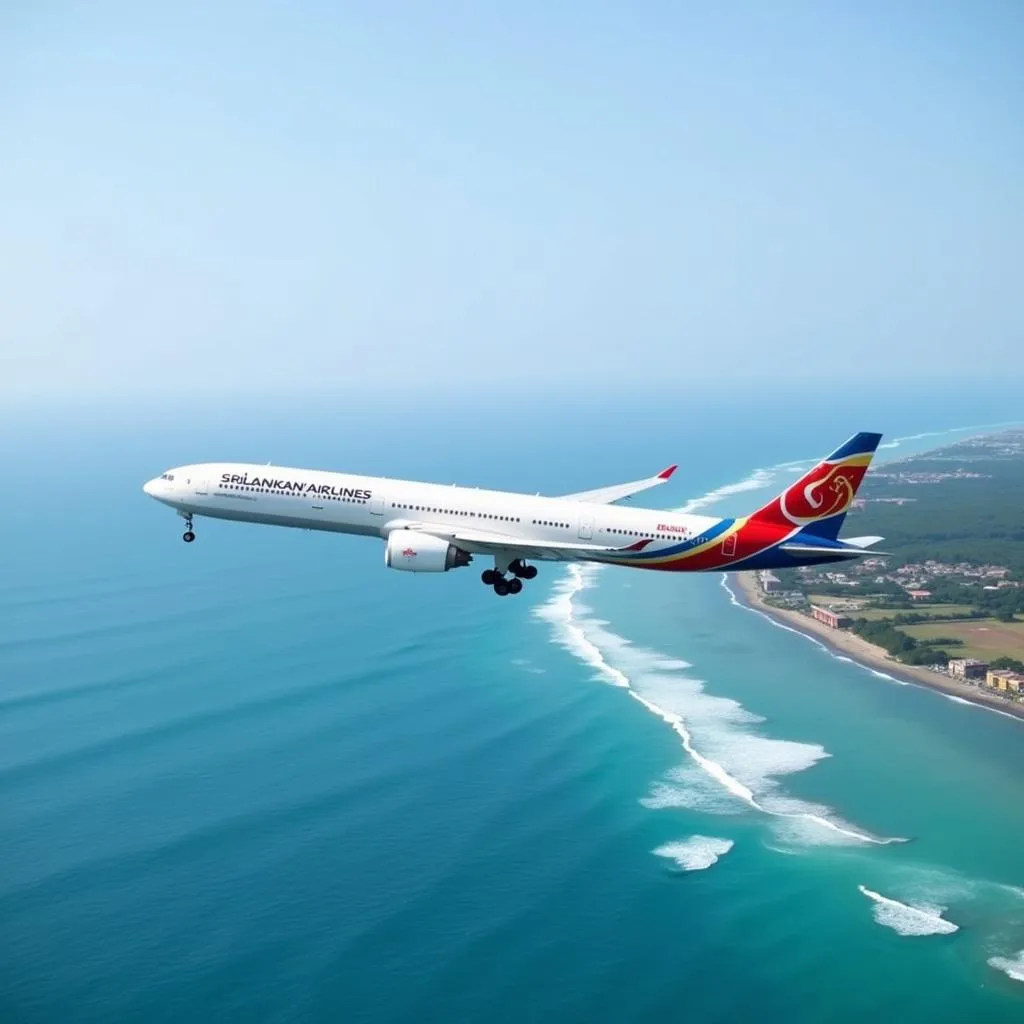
(949, 594)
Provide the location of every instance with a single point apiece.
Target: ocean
(262, 778)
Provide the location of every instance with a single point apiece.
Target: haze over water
(263, 777)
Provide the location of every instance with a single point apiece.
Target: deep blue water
(261, 777)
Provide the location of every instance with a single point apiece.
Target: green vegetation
(899, 644)
(967, 519)
(959, 507)
(953, 526)
(1011, 663)
(985, 639)
(1001, 604)
(921, 613)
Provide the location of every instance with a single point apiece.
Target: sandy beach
(868, 654)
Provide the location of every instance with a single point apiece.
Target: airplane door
(202, 486)
(586, 530)
(377, 505)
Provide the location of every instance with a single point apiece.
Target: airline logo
(826, 491)
(296, 486)
(669, 528)
(408, 553)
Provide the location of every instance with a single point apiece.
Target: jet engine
(412, 551)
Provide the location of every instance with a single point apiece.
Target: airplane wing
(616, 492)
(483, 542)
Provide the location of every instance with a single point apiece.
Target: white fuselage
(375, 506)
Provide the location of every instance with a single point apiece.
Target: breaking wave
(698, 853)
(909, 919)
(728, 757)
(1013, 967)
(762, 478)
(736, 602)
(756, 481)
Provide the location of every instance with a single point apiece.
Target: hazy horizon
(222, 202)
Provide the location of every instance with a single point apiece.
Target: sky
(219, 200)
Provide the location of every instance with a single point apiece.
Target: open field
(924, 609)
(870, 612)
(983, 638)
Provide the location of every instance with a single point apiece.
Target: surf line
(592, 655)
(867, 668)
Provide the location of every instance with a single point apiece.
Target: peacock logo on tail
(825, 492)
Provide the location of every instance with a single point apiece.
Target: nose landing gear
(188, 536)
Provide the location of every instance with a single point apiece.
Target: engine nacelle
(412, 551)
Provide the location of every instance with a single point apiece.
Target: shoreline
(869, 655)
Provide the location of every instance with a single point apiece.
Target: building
(1005, 679)
(829, 617)
(967, 668)
(769, 582)
(919, 595)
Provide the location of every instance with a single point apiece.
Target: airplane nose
(149, 487)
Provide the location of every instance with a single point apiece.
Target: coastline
(869, 655)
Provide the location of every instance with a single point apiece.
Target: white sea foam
(758, 479)
(840, 657)
(688, 786)
(896, 441)
(907, 918)
(741, 764)
(1013, 966)
(716, 732)
(888, 678)
(696, 853)
(807, 636)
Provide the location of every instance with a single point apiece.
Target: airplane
(431, 527)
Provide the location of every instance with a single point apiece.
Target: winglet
(666, 473)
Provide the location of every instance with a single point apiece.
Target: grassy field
(924, 609)
(983, 638)
(872, 613)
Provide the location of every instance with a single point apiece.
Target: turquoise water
(262, 777)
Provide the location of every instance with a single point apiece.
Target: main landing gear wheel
(502, 587)
(522, 570)
(514, 585)
(490, 577)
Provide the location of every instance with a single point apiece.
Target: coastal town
(945, 603)
(840, 615)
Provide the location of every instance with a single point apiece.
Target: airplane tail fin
(819, 500)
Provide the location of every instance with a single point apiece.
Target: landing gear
(188, 536)
(502, 584)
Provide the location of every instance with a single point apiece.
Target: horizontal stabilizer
(810, 549)
(862, 542)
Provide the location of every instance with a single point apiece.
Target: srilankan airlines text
(294, 485)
